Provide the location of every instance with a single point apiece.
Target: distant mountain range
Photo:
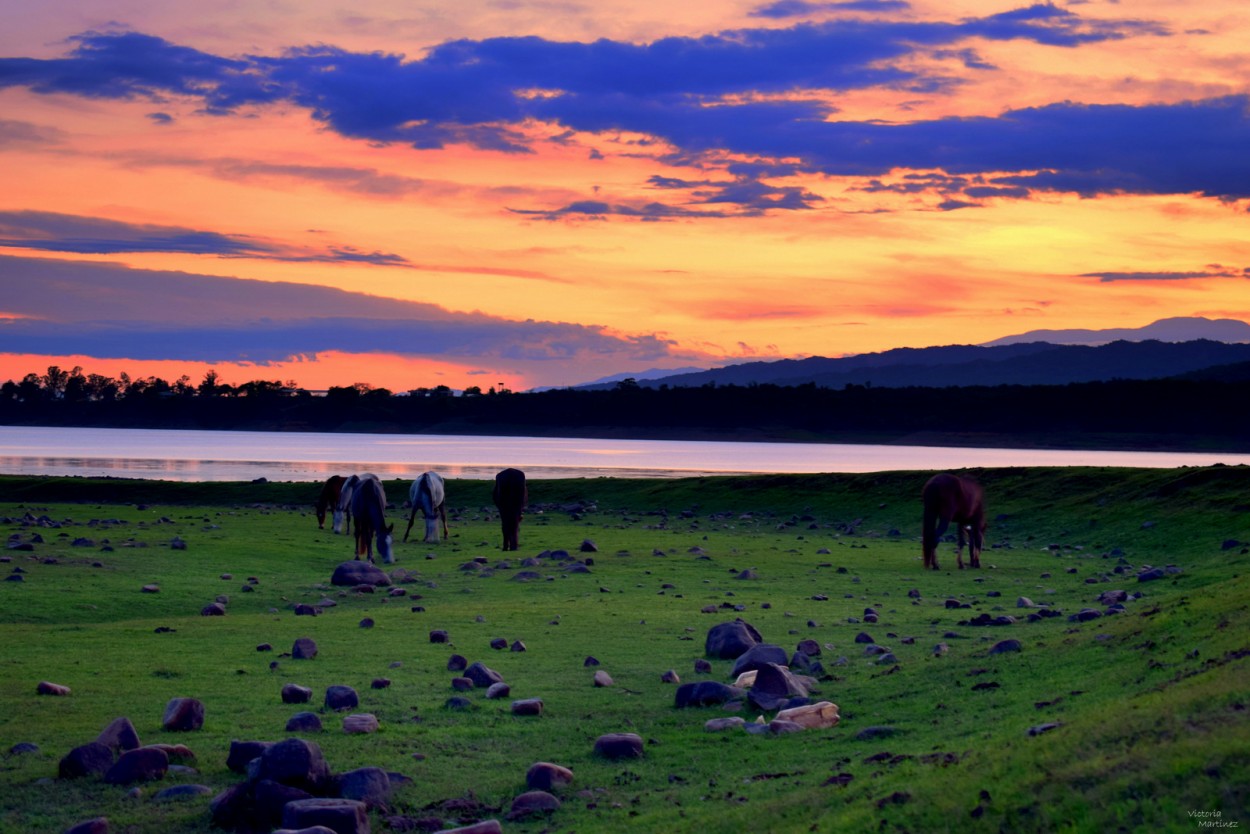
(1054, 357)
(1177, 329)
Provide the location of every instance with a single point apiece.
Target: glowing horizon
(419, 194)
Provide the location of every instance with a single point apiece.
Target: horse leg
(442, 513)
(959, 554)
(939, 532)
(411, 517)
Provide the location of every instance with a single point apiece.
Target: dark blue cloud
(740, 95)
(108, 311)
(65, 233)
(783, 9)
(1110, 277)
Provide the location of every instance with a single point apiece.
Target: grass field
(1150, 705)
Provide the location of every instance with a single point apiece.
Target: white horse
(428, 495)
(369, 507)
(343, 510)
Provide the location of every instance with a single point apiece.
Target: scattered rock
(670, 676)
(729, 641)
(483, 827)
(304, 722)
(359, 572)
(341, 697)
(602, 679)
(343, 816)
(758, 656)
(360, 723)
(438, 635)
(242, 752)
(456, 663)
(533, 803)
(213, 609)
(869, 733)
(811, 716)
(544, 776)
(731, 722)
(178, 793)
(619, 746)
(1005, 646)
(1043, 728)
(296, 763)
(482, 675)
(92, 759)
(704, 693)
(48, 688)
(99, 825)
(528, 706)
(293, 693)
(183, 715)
(143, 764)
(498, 690)
(305, 648)
(370, 785)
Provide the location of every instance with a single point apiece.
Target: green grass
(1151, 704)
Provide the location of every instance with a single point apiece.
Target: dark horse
(329, 499)
(369, 508)
(950, 498)
(511, 496)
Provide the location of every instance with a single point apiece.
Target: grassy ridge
(1151, 704)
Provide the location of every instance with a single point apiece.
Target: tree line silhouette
(1162, 413)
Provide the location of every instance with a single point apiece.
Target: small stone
(293, 693)
(544, 776)
(360, 723)
(305, 648)
(731, 722)
(498, 690)
(670, 677)
(528, 706)
(619, 746)
(183, 714)
(1005, 646)
(532, 803)
(457, 663)
(48, 688)
(341, 697)
(602, 678)
(304, 722)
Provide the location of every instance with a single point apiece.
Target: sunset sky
(408, 193)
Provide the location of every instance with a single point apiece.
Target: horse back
(955, 498)
(511, 493)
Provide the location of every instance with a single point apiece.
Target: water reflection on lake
(313, 456)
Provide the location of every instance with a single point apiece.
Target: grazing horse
(369, 508)
(950, 498)
(428, 496)
(511, 496)
(329, 498)
(343, 510)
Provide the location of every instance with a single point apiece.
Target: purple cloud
(701, 96)
(109, 311)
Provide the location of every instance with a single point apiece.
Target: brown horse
(511, 496)
(369, 508)
(328, 500)
(950, 498)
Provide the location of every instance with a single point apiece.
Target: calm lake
(244, 456)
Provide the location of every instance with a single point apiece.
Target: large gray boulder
(731, 640)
